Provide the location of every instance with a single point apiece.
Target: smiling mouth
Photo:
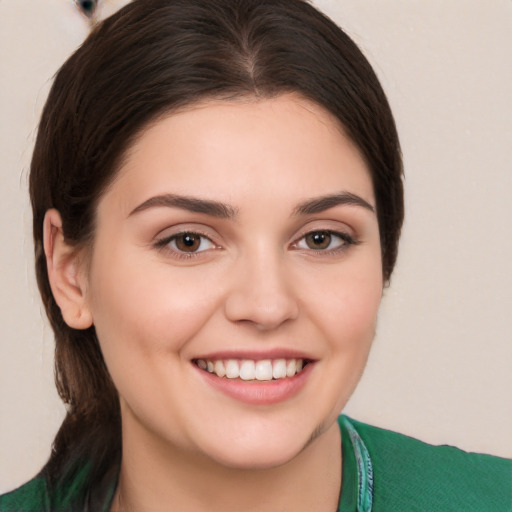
(253, 370)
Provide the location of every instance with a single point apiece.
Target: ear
(67, 278)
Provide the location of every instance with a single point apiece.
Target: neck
(162, 478)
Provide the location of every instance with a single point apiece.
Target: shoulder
(31, 497)
(411, 475)
(37, 495)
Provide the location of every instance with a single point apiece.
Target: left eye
(323, 240)
(188, 243)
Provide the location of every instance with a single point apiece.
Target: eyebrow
(225, 211)
(191, 204)
(320, 204)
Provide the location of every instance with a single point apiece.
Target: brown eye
(325, 240)
(318, 240)
(188, 242)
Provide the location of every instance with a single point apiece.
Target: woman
(217, 200)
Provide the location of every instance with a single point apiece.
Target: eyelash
(346, 241)
(164, 244)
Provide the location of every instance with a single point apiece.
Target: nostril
(87, 7)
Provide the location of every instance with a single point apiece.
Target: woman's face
(239, 237)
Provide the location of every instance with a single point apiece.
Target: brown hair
(146, 61)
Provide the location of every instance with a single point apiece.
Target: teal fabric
(382, 472)
(408, 475)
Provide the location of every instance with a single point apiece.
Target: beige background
(441, 365)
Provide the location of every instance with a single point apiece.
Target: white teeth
(248, 369)
(291, 367)
(264, 370)
(232, 369)
(219, 368)
(279, 369)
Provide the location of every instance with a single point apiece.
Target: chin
(257, 459)
(264, 452)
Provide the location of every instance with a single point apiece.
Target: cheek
(352, 330)
(346, 303)
(144, 324)
(148, 313)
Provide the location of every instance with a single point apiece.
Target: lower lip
(259, 392)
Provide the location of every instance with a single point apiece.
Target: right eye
(186, 243)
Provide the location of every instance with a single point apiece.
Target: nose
(261, 293)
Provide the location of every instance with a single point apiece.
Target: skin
(254, 285)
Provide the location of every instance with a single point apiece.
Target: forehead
(230, 150)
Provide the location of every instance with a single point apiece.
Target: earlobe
(64, 273)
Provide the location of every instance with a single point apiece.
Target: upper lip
(257, 355)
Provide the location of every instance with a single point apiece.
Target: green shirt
(382, 472)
